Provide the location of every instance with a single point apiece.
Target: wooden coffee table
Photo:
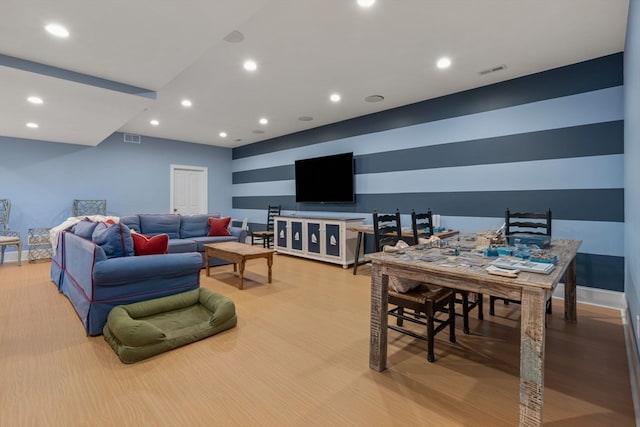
(238, 254)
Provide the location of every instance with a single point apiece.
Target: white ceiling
(305, 50)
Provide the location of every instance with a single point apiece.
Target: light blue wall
(550, 140)
(42, 178)
(632, 164)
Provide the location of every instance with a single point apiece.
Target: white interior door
(188, 189)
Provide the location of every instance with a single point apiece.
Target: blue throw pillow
(84, 228)
(114, 239)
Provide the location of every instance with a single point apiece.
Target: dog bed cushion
(144, 329)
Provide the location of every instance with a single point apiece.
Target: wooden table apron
(368, 229)
(238, 257)
(531, 288)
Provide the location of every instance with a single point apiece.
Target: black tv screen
(327, 179)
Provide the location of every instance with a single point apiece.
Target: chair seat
(9, 239)
(425, 300)
(424, 293)
(262, 233)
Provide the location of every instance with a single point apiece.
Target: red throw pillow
(150, 245)
(218, 226)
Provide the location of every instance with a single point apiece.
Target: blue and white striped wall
(550, 140)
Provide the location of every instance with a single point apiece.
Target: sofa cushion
(84, 228)
(218, 226)
(150, 245)
(179, 246)
(195, 225)
(131, 221)
(153, 224)
(114, 239)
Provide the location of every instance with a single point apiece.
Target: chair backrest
(5, 212)
(386, 229)
(89, 207)
(527, 222)
(422, 225)
(274, 210)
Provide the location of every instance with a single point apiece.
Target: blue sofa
(94, 283)
(187, 233)
(97, 273)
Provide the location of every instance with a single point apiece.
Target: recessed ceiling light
(154, 122)
(250, 65)
(32, 125)
(35, 100)
(334, 97)
(366, 3)
(374, 98)
(186, 103)
(443, 63)
(223, 134)
(264, 121)
(57, 30)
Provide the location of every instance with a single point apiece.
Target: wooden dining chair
(424, 300)
(387, 229)
(266, 236)
(524, 223)
(422, 225)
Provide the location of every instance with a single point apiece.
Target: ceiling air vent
(493, 70)
(131, 138)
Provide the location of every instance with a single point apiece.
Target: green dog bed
(147, 328)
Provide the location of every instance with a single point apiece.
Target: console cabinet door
(313, 237)
(281, 230)
(333, 241)
(296, 235)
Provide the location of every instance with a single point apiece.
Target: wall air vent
(492, 70)
(131, 138)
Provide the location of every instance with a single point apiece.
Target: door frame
(205, 190)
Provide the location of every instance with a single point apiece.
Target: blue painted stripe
(589, 140)
(558, 174)
(583, 77)
(605, 105)
(575, 173)
(577, 141)
(72, 76)
(571, 204)
(599, 271)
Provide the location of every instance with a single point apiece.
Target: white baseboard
(593, 296)
(12, 256)
(634, 362)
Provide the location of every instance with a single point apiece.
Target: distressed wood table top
(467, 271)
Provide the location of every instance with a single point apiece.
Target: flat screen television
(328, 179)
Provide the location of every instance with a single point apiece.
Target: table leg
(358, 244)
(206, 258)
(532, 339)
(570, 303)
(269, 264)
(378, 325)
(241, 273)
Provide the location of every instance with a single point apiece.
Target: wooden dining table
(532, 289)
(363, 229)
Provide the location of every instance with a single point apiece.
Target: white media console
(322, 239)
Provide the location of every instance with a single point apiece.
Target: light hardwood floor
(298, 357)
